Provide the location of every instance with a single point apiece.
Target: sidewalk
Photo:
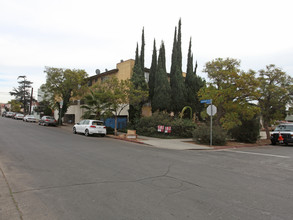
(8, 206)
(173, 144)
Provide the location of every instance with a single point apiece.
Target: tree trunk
(266, 126)
(115, 130)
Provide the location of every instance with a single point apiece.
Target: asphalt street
(50, 173)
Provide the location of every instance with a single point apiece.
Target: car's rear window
(97, 123)
(284, 128)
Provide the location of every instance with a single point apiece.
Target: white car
(19, 116)
(9, 114)
(283, 134)
(90, 127)
(29, 118)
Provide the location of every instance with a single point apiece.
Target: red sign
(160, 128)
(168, 129)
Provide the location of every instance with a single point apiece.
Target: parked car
(9, 114)
(48, 120)
(13, 114)
(19, 116)
(4, 114)
(90, 127)
(29, 118)
(283, 134)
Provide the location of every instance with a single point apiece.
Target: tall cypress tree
(138, 82)
(190, 81)
(193, 83)
(176, 78)
(179, 51)
(195, 68)
(199, 83)
(142, 51)
(137, 59)
(173, 59)
(161, 99)
(153, 71)
(137, 77)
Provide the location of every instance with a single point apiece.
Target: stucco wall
(125, 69)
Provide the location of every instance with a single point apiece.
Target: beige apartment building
(123, 71)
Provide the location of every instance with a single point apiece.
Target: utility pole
(31, 101)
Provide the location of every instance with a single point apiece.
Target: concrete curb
(173, 144)
(134, 140)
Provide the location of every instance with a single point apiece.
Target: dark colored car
(48, 120)
(283, 134)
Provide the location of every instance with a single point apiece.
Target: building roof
(109, 72)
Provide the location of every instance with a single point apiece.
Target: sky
(94, 34)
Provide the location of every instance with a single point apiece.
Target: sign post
(206, 101)
(60, 109)
(211, 111)
(211, 133)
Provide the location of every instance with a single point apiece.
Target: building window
(104, 78)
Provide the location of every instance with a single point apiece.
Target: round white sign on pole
(211, 110)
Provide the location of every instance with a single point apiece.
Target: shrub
(201, 135)
(182, 127)
(148, 125)
(248, 132)
(179, 127)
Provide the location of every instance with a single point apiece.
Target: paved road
(49, 173)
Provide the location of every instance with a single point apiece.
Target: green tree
(179, 50)
(22, 93)
(62, 85)
(232, 91)
(193, 83)
(276, 89)
(119, 94)
(44, 108)
(109, 98)
(161, 99)
(153, 70)
(248, 131)
(95, 105)
(142, 51)
(176, 78)
(199, 83)
(15, 105)
(139, 83)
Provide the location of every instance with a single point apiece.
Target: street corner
(234, 144)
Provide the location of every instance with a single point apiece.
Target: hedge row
(179, 127)
(248, 132)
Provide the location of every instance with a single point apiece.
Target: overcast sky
(94, 34)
